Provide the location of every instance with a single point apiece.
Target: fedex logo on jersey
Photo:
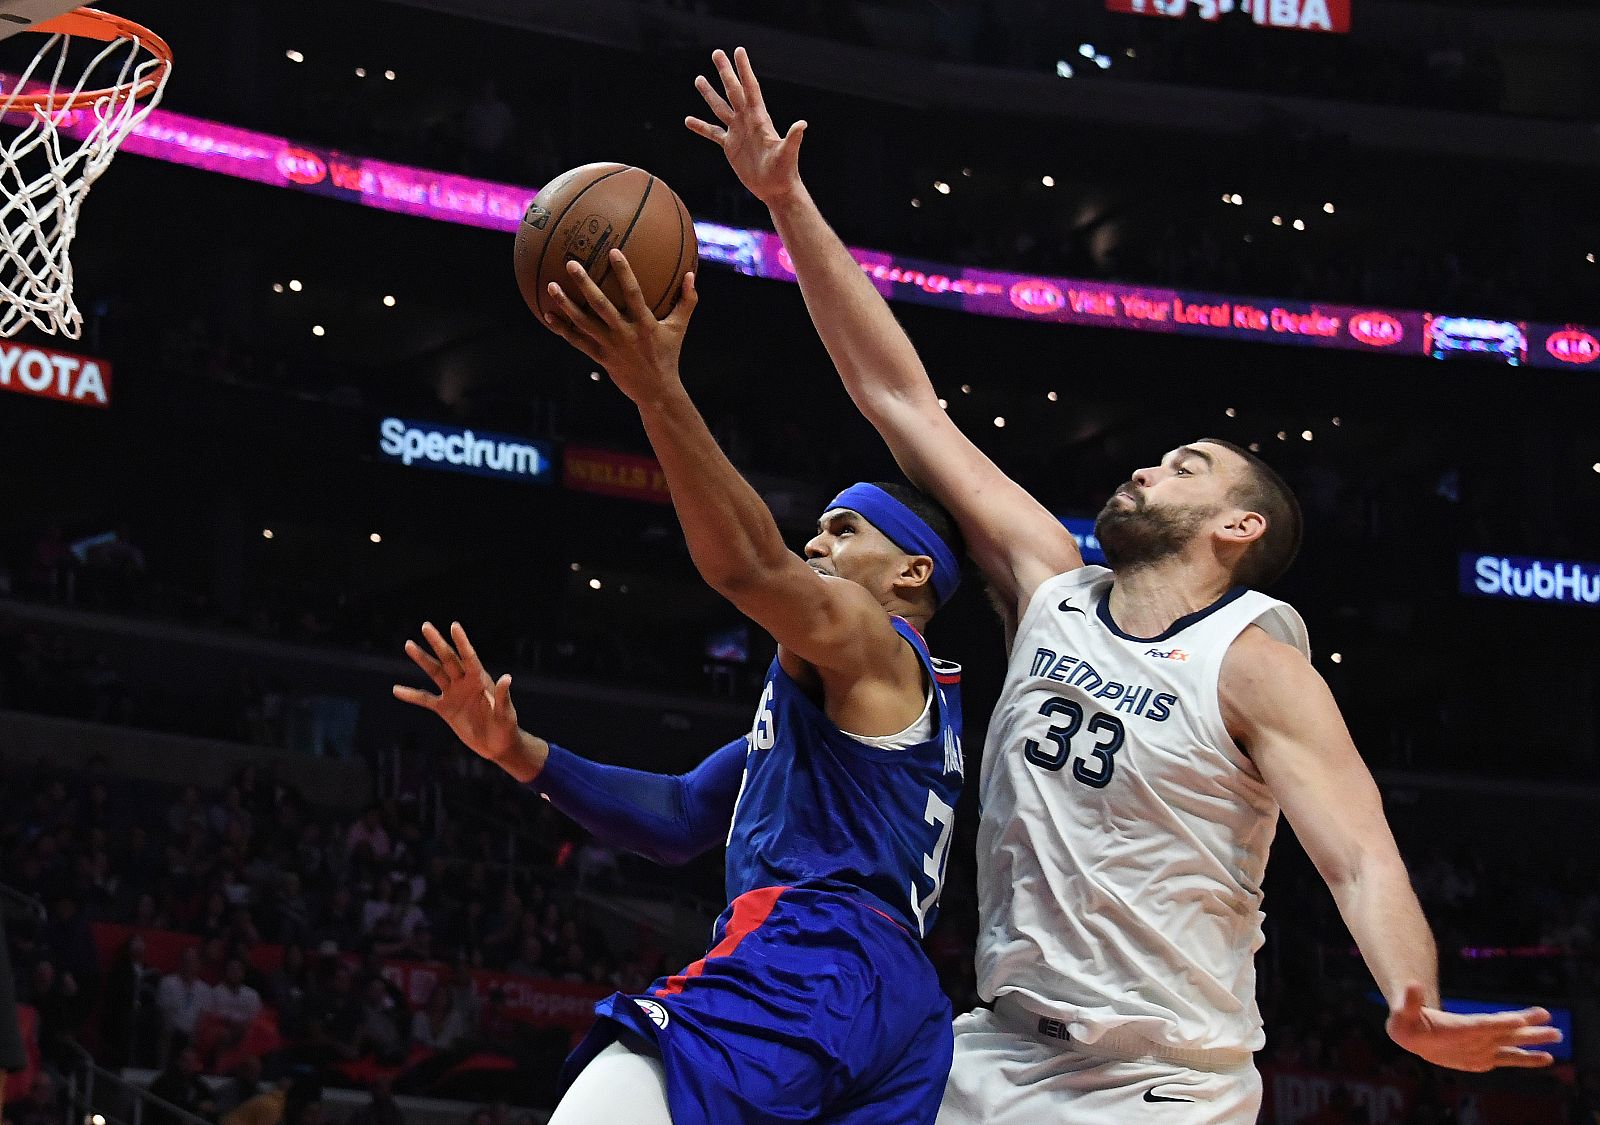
(1530, 580)
(1135, 699)
(1171, 654)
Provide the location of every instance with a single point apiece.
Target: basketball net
(70, 119)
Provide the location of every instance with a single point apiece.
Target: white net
(64, 121)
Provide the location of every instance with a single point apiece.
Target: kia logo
(1378, 329)
(302, 167)
(1033, 295)
(1573, 345)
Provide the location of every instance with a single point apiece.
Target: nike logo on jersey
(1152, 1096)
(1067, 607)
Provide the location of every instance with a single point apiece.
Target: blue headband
(906, 530)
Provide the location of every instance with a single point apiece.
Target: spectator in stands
(44, 1104)
(289, 989)
(464, 996)
(340, 924)
(187, 813)
(62, 1007)
(235, 1004)
(438, 1025)
(181, 1085)
(378, 1031)
(68, 937)
(529, 961)
(369, 833)
(182, 996)
(333, 1016)
(497, 1024)
(130, 992)
(293, 924)
(242, 1085)
(381, 1109)
(265, 1107)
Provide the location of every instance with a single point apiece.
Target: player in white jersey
(1155, 718)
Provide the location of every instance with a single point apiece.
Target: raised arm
(1282, 714)
(663, 817)
(1015, 541)
(834, 625)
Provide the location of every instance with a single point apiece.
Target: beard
(1137, 535)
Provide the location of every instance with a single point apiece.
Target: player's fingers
(1511, 1056)
(632, 296)
(599, 304)
(1535, 1037)
(502, 698)
(469, 655)
(579, 319)
(747, 76)
(732, 88)
(792, 139)
(714, 101)
(416, 697)
(1411, 1001)
(1534, 1015)
(713, 133)
(688, 298)
(448, 660)
(430, 667)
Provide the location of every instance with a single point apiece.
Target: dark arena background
(1359, 236)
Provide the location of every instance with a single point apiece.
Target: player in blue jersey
(815, 1001)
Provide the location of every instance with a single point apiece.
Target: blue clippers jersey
(817, 806)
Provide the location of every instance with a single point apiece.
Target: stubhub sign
(465, 451)
(1530, 580)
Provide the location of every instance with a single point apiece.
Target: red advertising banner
(1298, 1097)
(610, 473)
(1300, 15)
(29, 369)
(535, 1001)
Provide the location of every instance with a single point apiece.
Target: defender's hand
(1478, 1042)
(767, 164)
(639, 352)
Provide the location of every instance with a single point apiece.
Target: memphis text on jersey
(1135, 699)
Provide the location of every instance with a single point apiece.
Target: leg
(624, 1083)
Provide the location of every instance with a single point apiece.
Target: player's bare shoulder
(1262, 680)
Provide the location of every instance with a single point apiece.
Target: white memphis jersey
(1124, 835)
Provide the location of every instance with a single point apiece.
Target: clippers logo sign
(1035, 295)
(47, 373)
(464, 451)
(1573, 345)
(1522, 579)
(1376, 329)
(1298, 15)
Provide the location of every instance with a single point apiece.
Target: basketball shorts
(1009, 1071)
(811, 1006)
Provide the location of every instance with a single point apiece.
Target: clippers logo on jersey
(1171, 654)
(658, 1015)
(1133, 699)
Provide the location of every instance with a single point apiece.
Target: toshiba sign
(47, 373)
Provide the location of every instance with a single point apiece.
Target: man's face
(1164, 507)
(847, 546)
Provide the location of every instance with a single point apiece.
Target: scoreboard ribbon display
(1300, 15)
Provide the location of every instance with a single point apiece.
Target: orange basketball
(581, 215)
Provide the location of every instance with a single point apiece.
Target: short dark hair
(1264, 491)
(930, 512)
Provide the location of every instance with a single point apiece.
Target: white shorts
(1006, 1073)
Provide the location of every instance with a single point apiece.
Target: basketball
(583, 214)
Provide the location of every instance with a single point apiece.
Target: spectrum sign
(281, 162)
(1524, 579)
(456, 450)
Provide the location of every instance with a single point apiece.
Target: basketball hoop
(71, 120)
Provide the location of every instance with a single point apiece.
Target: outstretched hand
(478, 709)
(1472, 1042)
(766, 163)
(639, 352)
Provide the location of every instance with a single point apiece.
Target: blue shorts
(811, 1006)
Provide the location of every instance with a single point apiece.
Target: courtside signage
(610, 473)
(457, 450)
(47, 373)
(282, 162)
(1523, 579)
